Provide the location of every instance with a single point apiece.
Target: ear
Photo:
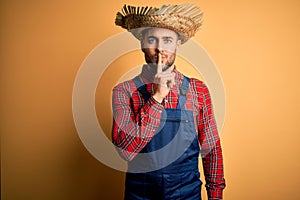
(142, 44)
(178, 44)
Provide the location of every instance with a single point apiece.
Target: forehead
(159, 32)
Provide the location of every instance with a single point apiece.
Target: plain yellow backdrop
(255, 45)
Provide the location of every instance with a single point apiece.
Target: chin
(166, 67)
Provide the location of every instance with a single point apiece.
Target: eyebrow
(164, 37)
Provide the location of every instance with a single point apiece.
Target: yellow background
(255, 45)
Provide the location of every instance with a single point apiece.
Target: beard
(152, 60)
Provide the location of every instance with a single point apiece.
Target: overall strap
(142, 88)
(182, 92)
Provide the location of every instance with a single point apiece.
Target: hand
(164, 80)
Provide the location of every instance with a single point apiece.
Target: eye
(151, 40)
(168, 41)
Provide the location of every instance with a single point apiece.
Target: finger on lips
(166, 78)
(159, 64)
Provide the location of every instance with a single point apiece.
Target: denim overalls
(179, 179)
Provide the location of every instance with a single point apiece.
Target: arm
(210, 146)
(132, 131)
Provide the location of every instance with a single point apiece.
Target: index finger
(159, 64)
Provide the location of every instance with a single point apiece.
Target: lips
(162, 56)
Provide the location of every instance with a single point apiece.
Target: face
(160, 41)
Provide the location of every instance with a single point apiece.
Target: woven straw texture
(185, 19)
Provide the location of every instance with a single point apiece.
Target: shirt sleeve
(211, 150)
(132, 131)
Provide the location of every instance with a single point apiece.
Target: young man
(161, 118)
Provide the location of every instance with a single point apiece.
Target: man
(161, 118)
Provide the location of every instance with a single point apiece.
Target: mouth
(162, 56)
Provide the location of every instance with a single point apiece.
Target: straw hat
(185, 19)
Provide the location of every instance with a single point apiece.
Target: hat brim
(185, 27)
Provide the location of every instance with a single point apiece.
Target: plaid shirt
(136, 121)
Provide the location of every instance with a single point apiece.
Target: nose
(159, 47)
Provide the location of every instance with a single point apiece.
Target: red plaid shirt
(136, 121)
